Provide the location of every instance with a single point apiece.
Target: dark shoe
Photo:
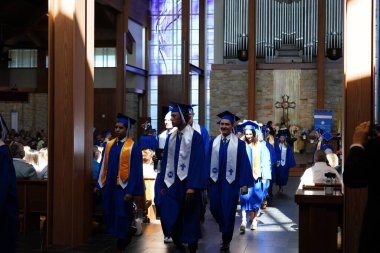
(225, 247)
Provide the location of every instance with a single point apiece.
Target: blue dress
(118, 213)
(8, 202)
(224, 196)
(179, 220)
(282, 172)
(256, 194)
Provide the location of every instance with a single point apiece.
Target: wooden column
(121, 45)
(202, 62)
(358, 69)
(185, 51)
(42, 80)
(251, 59)
(321, 55)
(71, 78)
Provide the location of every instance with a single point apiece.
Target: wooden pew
(32, 199)
(320, 216)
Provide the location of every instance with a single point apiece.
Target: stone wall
(32, 115)
(228, 92)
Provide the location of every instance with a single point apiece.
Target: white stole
(231, 159)
(184, 155)
(283, 154)
(197, 128)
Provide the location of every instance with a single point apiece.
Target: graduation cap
(181, 108)
(249, 125)
(283, 132)
(121, 118)
(327, 136)
(228, 115)
(105, 133)
(178, 107)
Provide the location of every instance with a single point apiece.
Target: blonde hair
(333, 160)
(32, 157)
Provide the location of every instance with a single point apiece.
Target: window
(22, 58)
(105, 57)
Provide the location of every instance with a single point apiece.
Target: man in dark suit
(361, 171)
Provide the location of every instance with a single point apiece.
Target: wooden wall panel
(358, 69)
(104, 109)
(138, 11)
(71, 81)
(169, 89)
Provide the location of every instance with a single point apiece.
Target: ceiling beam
(115, 4)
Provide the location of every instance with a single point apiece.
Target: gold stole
(271, 140)
(124, 161)
(319, 145)
(256, 161)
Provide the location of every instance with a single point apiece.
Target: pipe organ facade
(286, 30)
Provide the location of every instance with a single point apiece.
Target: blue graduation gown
(282, 172)
(148, 142)
(223, 195)
(274, 151)
(205, 137)
(252, 200)
(179, 221)
(118, 213)
(8, 202)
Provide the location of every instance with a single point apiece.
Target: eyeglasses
(119, 127)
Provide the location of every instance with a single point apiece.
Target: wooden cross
(285, 105)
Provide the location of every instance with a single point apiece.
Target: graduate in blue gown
(274, 149)
(147, 140)
(161, 139)
(121, 178)
(206, 141)
(260, 163)
(286, 162)
(230, 172)
(182, 178)
(8, 196)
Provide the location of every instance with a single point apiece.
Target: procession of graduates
(240, 165)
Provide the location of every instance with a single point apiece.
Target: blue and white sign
(323, 120)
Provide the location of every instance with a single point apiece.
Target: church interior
(68, 67)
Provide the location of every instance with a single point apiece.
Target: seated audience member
(316, 173)
(360, 172)
(23, 169)
(95, 164)
(42, 172)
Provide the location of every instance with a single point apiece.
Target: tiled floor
(277, 232)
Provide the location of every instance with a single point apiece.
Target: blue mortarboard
(327, 136)
(228, 115)
(105, 133)
(176, 107)
(249, 125)
(121, 118)
(283, 132)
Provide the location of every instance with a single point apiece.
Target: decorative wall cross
(285, 105)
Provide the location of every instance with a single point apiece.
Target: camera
(374, 131)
